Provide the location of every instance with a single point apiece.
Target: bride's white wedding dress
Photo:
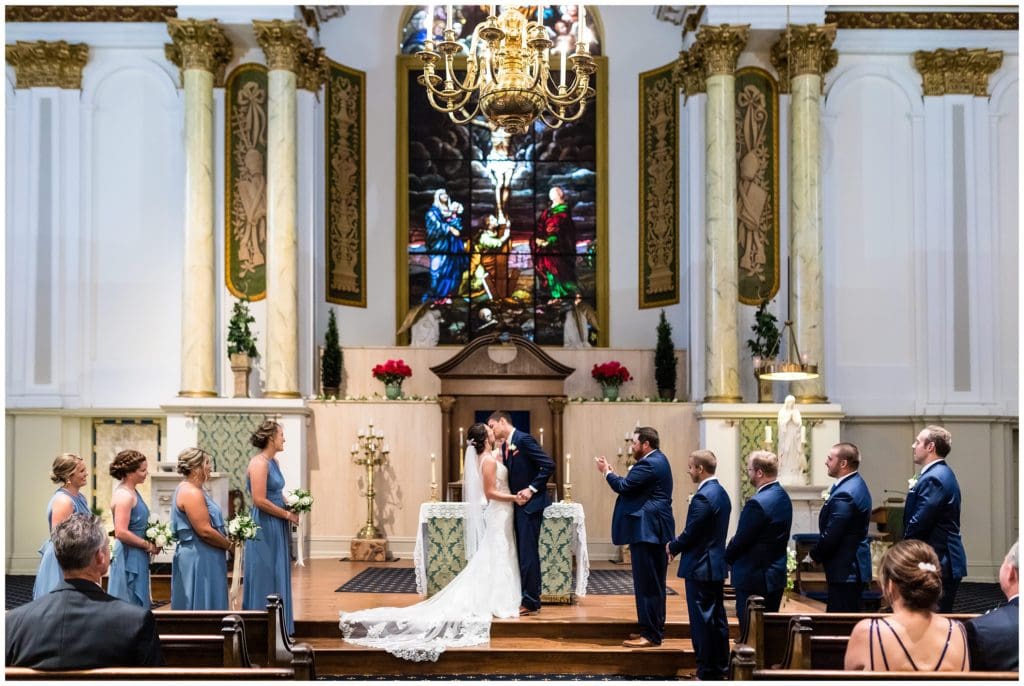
(460, 614)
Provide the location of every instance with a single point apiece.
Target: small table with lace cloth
(440, 552)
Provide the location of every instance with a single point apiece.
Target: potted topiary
(764, 346)
(665, 360)
(330, 368)
(241, 346)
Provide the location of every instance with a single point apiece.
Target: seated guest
(77, 625)
(992, 638)
(199, 570)
(914, 638)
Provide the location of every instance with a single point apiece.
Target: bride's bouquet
(240, 529)
(300, 500)
(159, 532)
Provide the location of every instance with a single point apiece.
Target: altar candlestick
(542, 437)
(460, 439)
(433, 473)
(768, 434)
(568, 461)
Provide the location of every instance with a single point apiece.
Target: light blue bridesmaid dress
(50, 575)
(129, 570)
(268, 560)
(199, 571)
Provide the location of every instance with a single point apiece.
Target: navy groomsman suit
(843, 548)
(528, 467)
(643, 519)
(932, 515)
(702, 564)
(993, 639)
(757, 552)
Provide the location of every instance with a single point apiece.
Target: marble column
(718, 48)
(805, 54)
(201, 50)
(286, 47)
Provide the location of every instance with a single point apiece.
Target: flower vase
(393, 391)
(610, 392)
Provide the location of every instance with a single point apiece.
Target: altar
(440, 552)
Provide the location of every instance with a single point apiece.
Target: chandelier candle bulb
(540, 14)
(430, 22)
(583, 21)
(448, 18)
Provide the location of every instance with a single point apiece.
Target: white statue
(426, 332)
(792, 463)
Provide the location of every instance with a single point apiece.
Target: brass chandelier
(781, 370)
(508, 72)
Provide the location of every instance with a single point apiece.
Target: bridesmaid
(199, 571)
(129, 570)
(69, 470)
(268, 566)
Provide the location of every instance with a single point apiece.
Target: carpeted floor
(403, 580)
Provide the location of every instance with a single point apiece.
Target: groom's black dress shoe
(524, 611)
(640, 643)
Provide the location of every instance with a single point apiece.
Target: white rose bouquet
(159, 532)
(240, 529)
(301, 501)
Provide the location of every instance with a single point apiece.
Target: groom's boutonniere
(512, 448)
(689, 499)
(911, 482)
(825, 493)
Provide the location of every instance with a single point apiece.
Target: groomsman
(843, 548)
(643, 519)
(702, 546)
(932, 510)
(757, 553)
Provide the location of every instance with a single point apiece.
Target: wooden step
(673, 658)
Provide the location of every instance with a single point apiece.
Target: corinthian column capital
(963, 71)
(198, 44)
(804, 49)
(48, 64)
(718, 47)
(688, 72)
(284, 43)
(312, 72)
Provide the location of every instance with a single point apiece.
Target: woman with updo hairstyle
(268, 562)
(70, 472)
(199, 570)
(915, 638)
(129, 564)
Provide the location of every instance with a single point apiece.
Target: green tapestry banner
(757, 184)
(245, 181)
(659, 188)
(345, 234)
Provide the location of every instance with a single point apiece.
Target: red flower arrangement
(392, 371)
(610, 373)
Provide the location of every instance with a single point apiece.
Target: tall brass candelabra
(374, 453)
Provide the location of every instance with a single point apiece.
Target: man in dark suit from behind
(77, 625)
(932, 511)
(843, 549)
(643, 519)
(993, 637)
(757, 552)
(702, 564)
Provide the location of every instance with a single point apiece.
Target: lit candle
(433, 473)
(540, 14)
(628, 436)
(362, 432)
(568, 461)
(460, 439)
(768, 434)
(619, 452)
(371, 422)
(562, 50)
(583, 20)
(542, 437)
(448, 17)
(803, 434)
(430, 22)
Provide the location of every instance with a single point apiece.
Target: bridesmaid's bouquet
(159, 532)
(300, 500)
(241, 528)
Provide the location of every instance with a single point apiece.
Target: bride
(460, 614)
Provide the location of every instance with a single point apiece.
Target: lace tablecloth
(560, 510)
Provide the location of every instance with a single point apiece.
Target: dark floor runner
(403, 580)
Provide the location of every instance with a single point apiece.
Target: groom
(528, 470)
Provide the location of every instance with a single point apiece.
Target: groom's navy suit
(643, 520)
(702, 564)
(528, 466)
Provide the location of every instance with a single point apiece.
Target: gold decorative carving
(948, 21)
(312, 72)
(95, 13)
(804, 49)
(963, 71)
(198, 44)
(689, 72)
(42, 64)
(692, 20)
(720, 46)
(285, 44)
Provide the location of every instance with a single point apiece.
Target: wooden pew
(267, 641)
(151, 674)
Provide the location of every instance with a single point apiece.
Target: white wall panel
(870, 250)
(135, 243)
